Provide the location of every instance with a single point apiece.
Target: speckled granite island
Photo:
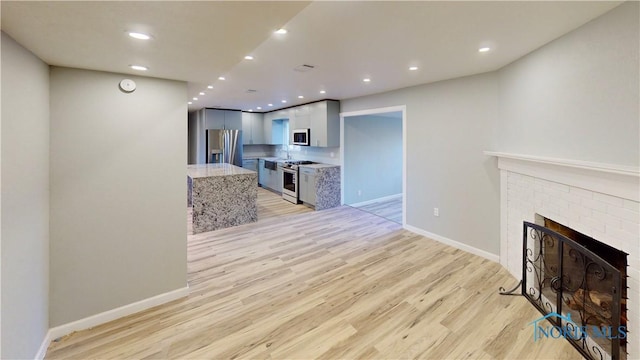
(327, 185)
(222, 195)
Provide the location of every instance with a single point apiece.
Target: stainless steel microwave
(301, 137)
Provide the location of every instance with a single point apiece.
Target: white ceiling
(346, 41)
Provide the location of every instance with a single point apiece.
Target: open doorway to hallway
(373, 161)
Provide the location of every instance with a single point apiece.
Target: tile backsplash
(311, 153)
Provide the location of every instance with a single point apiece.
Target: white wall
(24, 201)
(118, 185)
(449, 125)
(577, 97)
(372, 157)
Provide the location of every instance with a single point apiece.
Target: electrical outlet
(359, 192)
(436, 212)
(332, 154)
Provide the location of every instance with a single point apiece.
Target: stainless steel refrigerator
(224, 146)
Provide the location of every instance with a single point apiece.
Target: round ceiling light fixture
(139, 67)
(139, 36)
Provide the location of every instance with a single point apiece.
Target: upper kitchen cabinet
(323, 121)
(222, 119)
(252, 128)
(301, 117)
(276, 124)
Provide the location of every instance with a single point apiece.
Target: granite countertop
(209, 170)
(319, 166)
(280, 160)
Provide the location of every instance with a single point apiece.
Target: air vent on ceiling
(303, 68)
(250, 91)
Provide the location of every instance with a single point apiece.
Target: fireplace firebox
(582, 282)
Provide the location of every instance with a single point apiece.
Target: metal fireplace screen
(565, 279)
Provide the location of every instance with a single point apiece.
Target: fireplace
(582, 282)
(599, 201)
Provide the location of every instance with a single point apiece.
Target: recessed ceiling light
(221, 78)
(284, 101)
(281, 31)
(210, 87)
(269, 104)
(413, 68)
(300, 97)
(366, 80)
(201, 93)
(322, 92)
(189, 103)
(195, 98)
(139, 36)
(484, 49)
(250, 110)
(248, 57)
(139, 67)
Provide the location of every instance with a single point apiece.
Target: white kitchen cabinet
(250, 164)
(277, 182)
(222, 119)
(301, 117)
(322, 118)
(274, 126)
(307, 185)
(232, 119)
(252, 128)
(213, 119)
(267, 178)
(325, 124)
(273, 180)
(262, 173)
(266, 127)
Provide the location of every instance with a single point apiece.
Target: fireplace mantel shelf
(586, 165)
(615, 180)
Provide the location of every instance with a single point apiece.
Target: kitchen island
(323, 191)
(222, 195)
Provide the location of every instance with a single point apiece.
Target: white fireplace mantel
(615, 180)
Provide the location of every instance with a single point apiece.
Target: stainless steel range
(290, 179)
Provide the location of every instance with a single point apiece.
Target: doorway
(373, 161)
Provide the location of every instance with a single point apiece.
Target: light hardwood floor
(333, 284)
(390, 209)
(272, 205)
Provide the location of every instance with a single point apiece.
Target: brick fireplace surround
(598, 200)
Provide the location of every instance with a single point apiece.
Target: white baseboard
(107, 316)
(456, 244)
(384, 198)
(42, 351)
